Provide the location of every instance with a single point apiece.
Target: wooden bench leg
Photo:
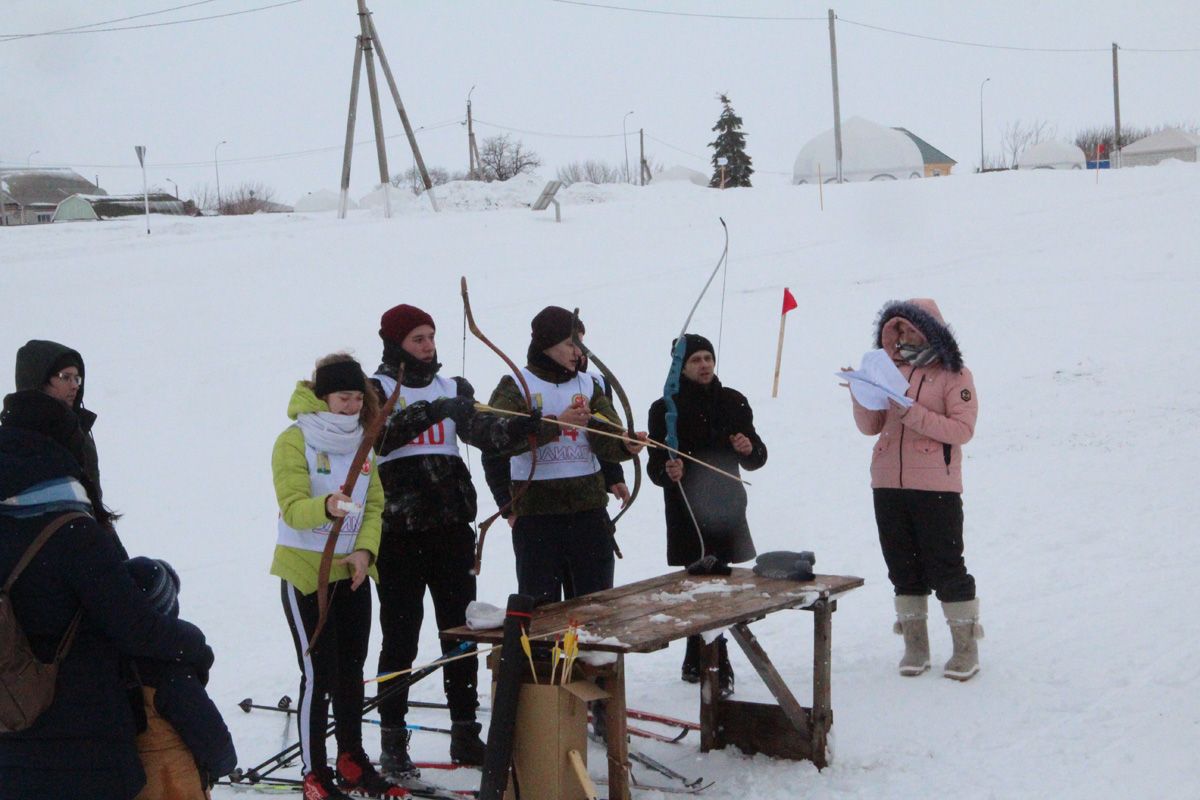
(771, 677)
(616, 735)
(822, 709)
(710, 696)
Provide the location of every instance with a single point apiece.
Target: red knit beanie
(398, 322)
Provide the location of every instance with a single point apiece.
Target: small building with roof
(936, 162)
(870, 152)
(79, 207)
(1051, 154)
(32, 195)
(680, 173)
(1170, 143)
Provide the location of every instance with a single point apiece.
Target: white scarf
(327, 432)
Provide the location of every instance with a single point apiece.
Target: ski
(648, 734)
(413, 786)
(664, 770)
(651, 787)
(285, 708)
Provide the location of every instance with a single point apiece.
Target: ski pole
(285, 756)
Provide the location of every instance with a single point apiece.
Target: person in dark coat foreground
(716, 426)
(83, 745)
(186, 745)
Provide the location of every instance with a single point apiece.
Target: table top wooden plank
(648, 615)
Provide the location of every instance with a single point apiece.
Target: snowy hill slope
(1074, 304)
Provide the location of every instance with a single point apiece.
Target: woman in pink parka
(916, 479)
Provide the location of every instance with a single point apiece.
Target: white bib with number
(570, 455)
(326, 473)
(442, 437)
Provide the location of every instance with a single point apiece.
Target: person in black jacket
(427, 540)
(84, 743)
(716, 426)
(58, 371)
(186, 742)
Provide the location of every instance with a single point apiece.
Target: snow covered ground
(1075, 305)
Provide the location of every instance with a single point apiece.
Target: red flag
(789, 302)
(1100, 147)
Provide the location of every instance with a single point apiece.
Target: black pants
(921, 534)
(441, 560)
(560, 556)
(334, 667)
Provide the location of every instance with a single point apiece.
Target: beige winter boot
(911, 613)
(963, 619)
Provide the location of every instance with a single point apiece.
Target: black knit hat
(695, 344)
(340, 376)
(551, 326)
(158, 582)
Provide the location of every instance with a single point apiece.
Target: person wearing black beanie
(716, 426)
(562, 536)
(428, 541)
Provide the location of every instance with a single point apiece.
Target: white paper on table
(876, 381)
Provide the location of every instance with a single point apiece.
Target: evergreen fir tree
(730, 144)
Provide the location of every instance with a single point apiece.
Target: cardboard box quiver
(551, 722)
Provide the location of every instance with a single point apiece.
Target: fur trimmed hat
(924, 315)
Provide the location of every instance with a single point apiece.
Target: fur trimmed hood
(923, 315)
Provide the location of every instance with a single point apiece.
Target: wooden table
(648, 615)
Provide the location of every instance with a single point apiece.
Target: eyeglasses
(69, 377)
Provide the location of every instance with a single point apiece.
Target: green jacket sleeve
(509, 397)
(293, 489)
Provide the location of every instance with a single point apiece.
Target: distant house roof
(928, 152)
(6, 198)
(93, 206)
(45, 187)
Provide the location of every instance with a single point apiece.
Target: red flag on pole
(789, 302)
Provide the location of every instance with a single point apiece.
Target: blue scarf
(49, 497)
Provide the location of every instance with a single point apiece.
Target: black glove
(204, 664)
(460, 409)
(520, 427)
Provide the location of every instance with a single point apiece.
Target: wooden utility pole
(642, 155)
(472, 150)
(366, 45)
(837, 106)
(1115, 155)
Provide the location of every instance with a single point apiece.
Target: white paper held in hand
(349, 507)
(876, 381)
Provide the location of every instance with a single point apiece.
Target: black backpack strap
(30, 553)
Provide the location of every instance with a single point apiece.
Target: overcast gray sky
(276, 81)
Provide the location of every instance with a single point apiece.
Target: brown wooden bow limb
(533, 446)
(360, 457)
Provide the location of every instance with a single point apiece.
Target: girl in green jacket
(310, 463)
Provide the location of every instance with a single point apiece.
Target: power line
(249, 159)
(89, 29)
(107, 21)
(685, 13)
(974, 44)
(479, 121)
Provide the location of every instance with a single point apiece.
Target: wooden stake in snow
(789, 303)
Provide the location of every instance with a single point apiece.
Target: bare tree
(206, 198)
(247, 198)
(1019, 135)
(501, 158)
(591, 171)
(1089, 138)
(411, 178)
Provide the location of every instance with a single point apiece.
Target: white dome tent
(1171, 143)
(1051, 155)
(870, 152)
(680, 173)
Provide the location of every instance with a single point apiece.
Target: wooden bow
(533, 447)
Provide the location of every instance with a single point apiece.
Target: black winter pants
(921, 534)
(334, 668)
(409, 562)
(560, 556)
